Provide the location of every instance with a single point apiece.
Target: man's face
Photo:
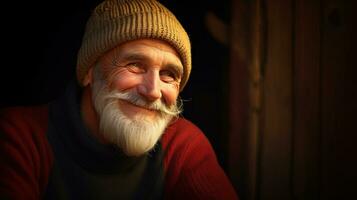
(150, 67)
(135, 89)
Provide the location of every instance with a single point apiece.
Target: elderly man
(116, 133)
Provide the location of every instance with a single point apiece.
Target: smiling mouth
(132, 109)
(143, 107)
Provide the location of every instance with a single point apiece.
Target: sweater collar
(78, 142)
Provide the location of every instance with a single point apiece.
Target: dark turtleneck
(87, 169)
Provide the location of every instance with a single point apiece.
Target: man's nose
(150, 88)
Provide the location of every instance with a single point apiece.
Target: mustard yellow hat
(116, 21)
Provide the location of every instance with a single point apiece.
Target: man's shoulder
(180, 133)
(18, 113)
(25, 150)
(24, 118)
(181, 127)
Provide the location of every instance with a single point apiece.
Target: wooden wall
(293, 99)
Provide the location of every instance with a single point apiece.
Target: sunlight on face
(137, 134)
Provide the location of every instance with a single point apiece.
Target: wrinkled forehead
(154, 43)
(144, 49)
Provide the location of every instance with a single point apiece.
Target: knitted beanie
(116, 21)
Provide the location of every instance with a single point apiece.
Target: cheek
(170, 95)
(122, 80)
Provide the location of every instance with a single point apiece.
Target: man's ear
(88, 78)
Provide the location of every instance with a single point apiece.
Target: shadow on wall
(206, 94)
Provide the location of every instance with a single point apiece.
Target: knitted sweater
(47, 153)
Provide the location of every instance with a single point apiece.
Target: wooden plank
(246, 84)
(257, 58)
(275, 167)
(338, 100)
(306, 116)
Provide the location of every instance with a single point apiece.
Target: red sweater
(190, 166)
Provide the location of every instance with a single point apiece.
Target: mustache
(137, 100)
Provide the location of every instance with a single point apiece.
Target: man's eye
(135, 68)
(168, 76)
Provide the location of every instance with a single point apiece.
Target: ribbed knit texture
(116, 21)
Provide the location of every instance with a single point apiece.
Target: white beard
(136, 135)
